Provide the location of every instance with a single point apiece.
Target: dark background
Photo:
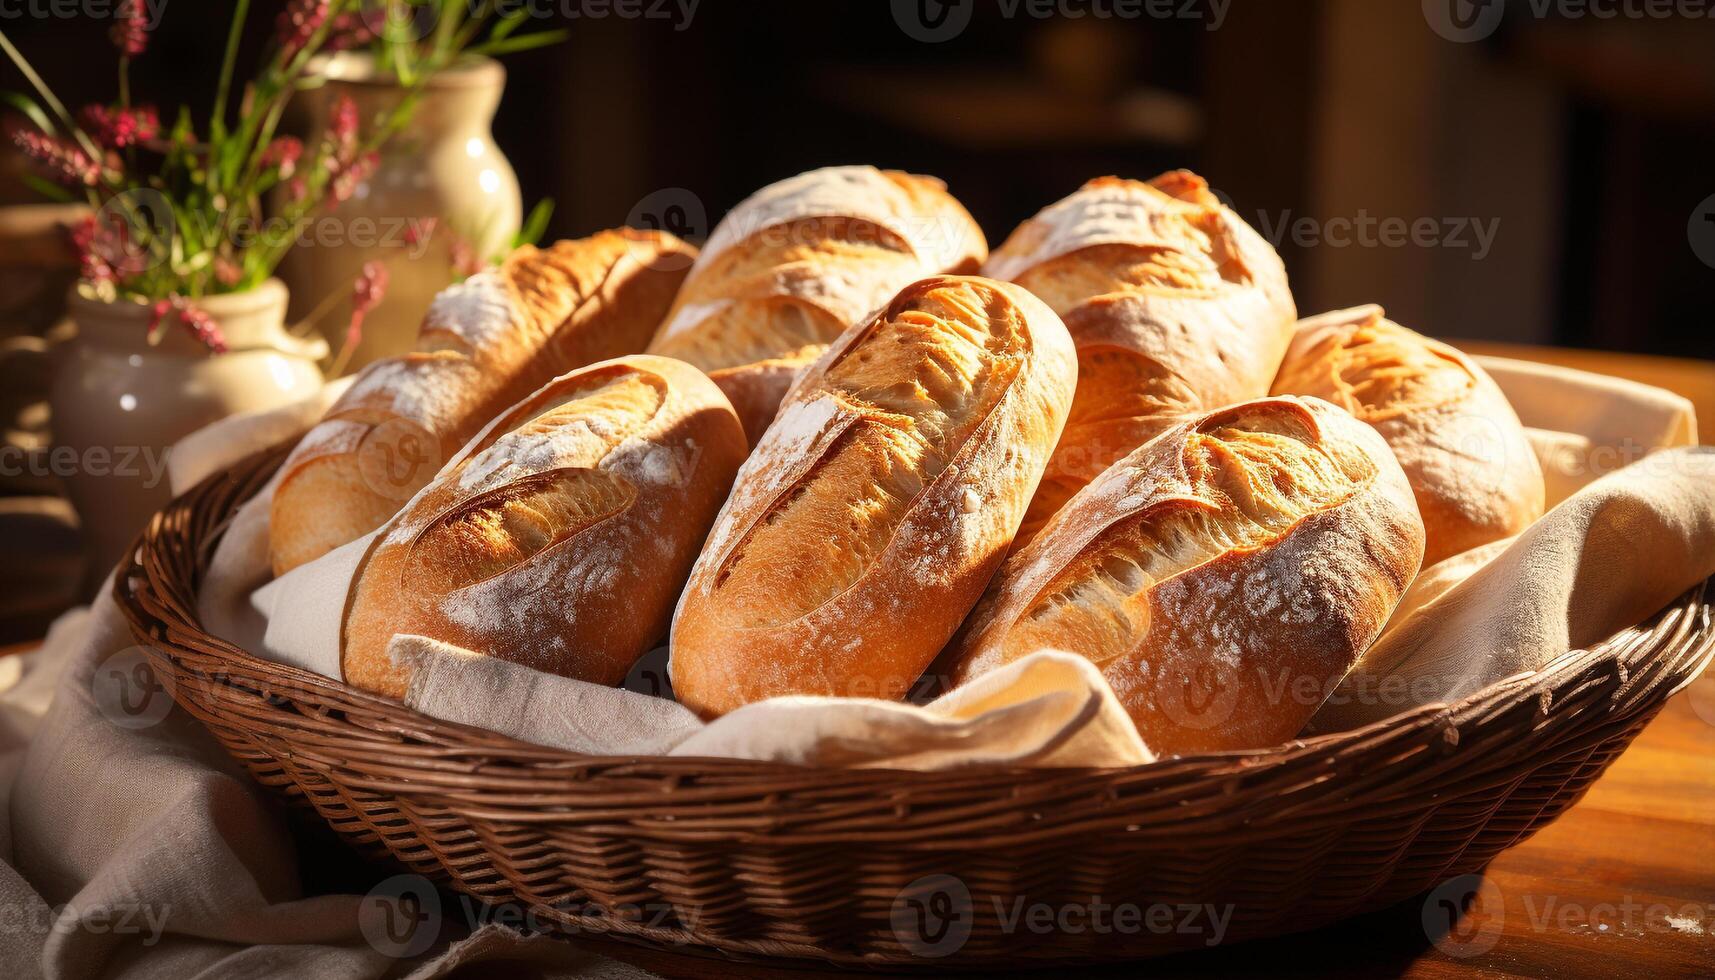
(1590, 141)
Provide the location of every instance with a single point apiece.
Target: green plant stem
(446, 27)
(395, 121)
(256, 131)
(217, 119)
(322, 309)
(47, 95)
(278, 79)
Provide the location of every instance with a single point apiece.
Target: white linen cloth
(1630, 528)
(136, 848)
(143, 851)
(1585, 426)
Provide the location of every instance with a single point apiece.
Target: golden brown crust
(1224, 576)
(484, 344)
(1470, 464)
(790, 268)
(1175, 304)
(878, 504)
(560, 536)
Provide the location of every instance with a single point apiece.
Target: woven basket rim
(789, 860)
(499, 747)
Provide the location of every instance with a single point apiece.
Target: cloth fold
(1610, 556)
(136, 848)
(1048, 709)
(1584, 426)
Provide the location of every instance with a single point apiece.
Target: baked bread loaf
(1224, 577)
(1176, 306)
(1469, 461)
(561, 535)
(485, 343)
(796, 263)
(879, 503)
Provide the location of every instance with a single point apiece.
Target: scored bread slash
(1175, 304)
(560, 536)
(1224, 577)
(879, 503)
(484, 344)
(1470, 463)
(795, 264)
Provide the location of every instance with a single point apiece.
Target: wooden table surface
(1622, 885)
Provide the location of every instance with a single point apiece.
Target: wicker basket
(873, 867)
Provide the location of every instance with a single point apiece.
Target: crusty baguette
(485, 343)
(1225, 576)
(1176, 306)
(796, 263)
(879, 503)
(561, 535)
(1469, 461)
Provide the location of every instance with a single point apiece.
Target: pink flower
(202, 326)
(130, 31)
(93, 265)
(369, 288)
(157, 313)
(464, 258)
(117, 128)
(283, 155)
(419, 231)
(342, 127)
(299, 23)
(347, 180)
(349, 30)
(106, 250)
(227, 272)
(60, 161)
(367, 292)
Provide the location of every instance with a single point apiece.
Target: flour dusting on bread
(795, 264)
(879, 501)
(1470, 464)
(559, 537)
(1175, 304)
(484, 344)
(479, 311)
(1267, 538)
